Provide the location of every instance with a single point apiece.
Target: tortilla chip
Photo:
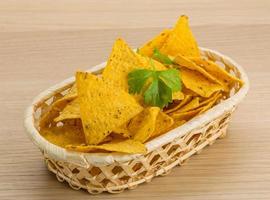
(126, 146)
(157, 42)
(226, 79)
(189, 64)
(189, 92)
(143, 125)
(122, 61)
(178, 123)
(163, 124)
(64, 135)
(71, 111)
(214, 97)
(185, 115)
(53, 110)
(102, 106)
(178, 95)
(210, 102)
(123, 131)
(192, 105)
(186, 99)
(181, 40)
(196, 82)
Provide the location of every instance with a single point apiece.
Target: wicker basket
(114, 172)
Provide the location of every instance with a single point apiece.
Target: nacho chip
(192, 105)
(102, 106)
(53, 110)
(181, 40)
(126, 146)
(71, 111)
(178, 123)
(210, 102)
(185, 115)
(189, 92)
(64, 135)
(123, 131)
(214, 97)
(157, 42)
(196, 82)
(226, 79)
(189, 64)
(178, 95)
(122, 61)
(163, 123)
(186, 99)
(143, 125)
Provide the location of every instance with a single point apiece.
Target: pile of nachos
(138, 96)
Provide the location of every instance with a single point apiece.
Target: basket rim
(85, 159)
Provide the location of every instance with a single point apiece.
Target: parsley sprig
(157, 55)
(156, 87)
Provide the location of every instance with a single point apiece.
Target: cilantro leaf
(161, 57)
(155, 86)
(137, 79)
(171, 78)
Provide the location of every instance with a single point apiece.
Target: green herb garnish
(161, 57)
(156, 87)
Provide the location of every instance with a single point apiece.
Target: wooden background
(45, 41)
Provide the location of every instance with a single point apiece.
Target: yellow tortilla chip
(123, 131)
(186, 62)
(181, 40)
(102, 106)
(53, 110)
(157, 42)
(193, 104)
(71, 111)
(210, 102)
(163, 123)
(189, 92)
(143, 125)
(178, 123)
(186, 99)
(225, 78)
(178, 95)
(64, 135)
(185, 115)
(215, 96)
(126, 146)
(196, 82)
(122, 61)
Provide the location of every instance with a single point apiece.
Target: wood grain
(43, 42)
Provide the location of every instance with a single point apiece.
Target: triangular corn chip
(163, 123)
(143, 125)
(102, 106)
(186, 99)
(126, 146)
(192, 105)
(181, 40)
(122, 61)
(157, 42)
(53, 110)
(189, 64)
(64, 135)
(196, 82)
(178, 95)
(71, 111)
(227, 80)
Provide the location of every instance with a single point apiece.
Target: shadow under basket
(114, 172)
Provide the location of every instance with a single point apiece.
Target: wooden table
(43, 42)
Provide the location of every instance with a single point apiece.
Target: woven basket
(114, 172)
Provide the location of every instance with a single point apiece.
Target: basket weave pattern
(119, 176)
(115, 175)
